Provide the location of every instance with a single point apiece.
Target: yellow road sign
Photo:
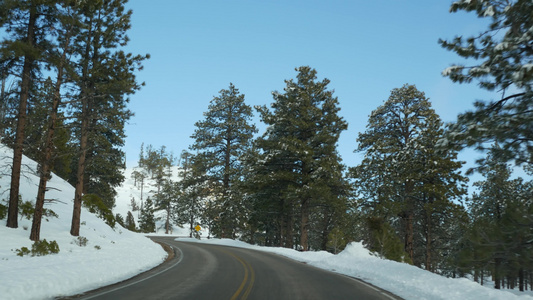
(198, 228)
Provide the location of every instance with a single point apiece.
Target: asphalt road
(203, 271)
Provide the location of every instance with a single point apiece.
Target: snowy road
(203, 271)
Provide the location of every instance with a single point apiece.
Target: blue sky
(366, 49)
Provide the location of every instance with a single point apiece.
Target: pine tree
(26, 24)
(69, 26)
(502, 216)
(273, 212)
(166, 199)
(141, 156)
(105, 79)
(505, 55)
(221, 139)
(299, 154)
(130, 222)
(147, 219)
(193, 192)
(120, 220)
(402, 174)
(164, 162)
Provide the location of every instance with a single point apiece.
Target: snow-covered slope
(109, 256)
(132, 190)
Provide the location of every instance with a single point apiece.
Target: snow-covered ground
(131, 190)
(112, 255)
(109, 256)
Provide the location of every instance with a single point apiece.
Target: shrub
(96, 205)
(3, 211)
(81, 241)
(23, 251)
(49, 213)
(40, 248)
(43, 247)
(27, 209)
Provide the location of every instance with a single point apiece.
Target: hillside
(109, 256)
(131, 190)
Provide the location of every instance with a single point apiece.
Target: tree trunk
(78, 193)
(49, 149)
(3, 106)
(191, 209)
(428, 241)
(167, 223)
(304, 226)
(497, 279)
(327, 215)
(190, 233)
(12, 216)
(409, 235)
(521, 279)
(408, 216)
(45, 164)
(289, 232)
(226, 230)
(142, 188)
(85, 119)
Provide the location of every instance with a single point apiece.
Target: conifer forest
(65, 87)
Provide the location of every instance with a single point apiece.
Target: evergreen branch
(499, 104)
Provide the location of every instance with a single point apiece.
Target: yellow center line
(243, 283)
(251, 284)
(248, 272)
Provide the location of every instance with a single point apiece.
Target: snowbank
(404, 280)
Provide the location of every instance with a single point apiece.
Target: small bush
(43, 247)
(97, 247)
(27, 209)
(81, 241)
(40, 248)
(3, 211)
(96, 205)
(49, 213)
(23, 251)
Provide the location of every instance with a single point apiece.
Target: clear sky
(366, 49)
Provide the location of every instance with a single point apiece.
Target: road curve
(203, 271)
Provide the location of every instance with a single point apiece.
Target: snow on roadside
(114, 255)
(404, 280)
(108, 257)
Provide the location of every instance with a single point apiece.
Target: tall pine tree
(105, 79)
(67, 26)
(221, 139)
(499, 240)
(26, 23)
(402, 175)
(194, 191)
(299, 155)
